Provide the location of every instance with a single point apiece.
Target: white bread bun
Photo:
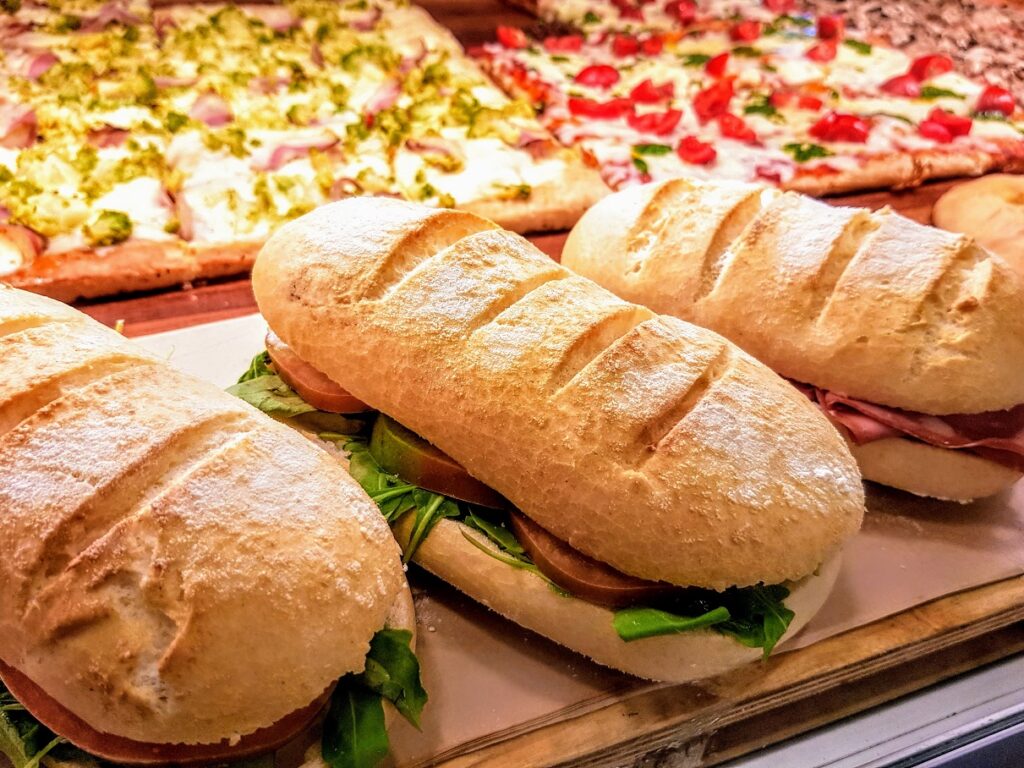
(871, 305)
(925, 470)
(989, 209)
(647, 443)
(528, 600)
(161, 541)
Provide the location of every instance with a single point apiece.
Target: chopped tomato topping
(795, 100)
(902, 85)
(823, 51)
(563, 44)
(683, 11)
(647, 92)
(996, 99)
(598, 76)
(745, 31)
(733, 127)
(831, 27)
(628, 10)
(625, 45)
(780, 6)
(836, 126)
(693, 150)
(652, 45)
(713, 100)
(660, 123)
(512, 37)
(955, 124)
(716, 65)
(933, 65)
(935, 131)
(600, 110)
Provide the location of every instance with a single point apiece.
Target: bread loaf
(871, 305)
(174, 566)
(647, 443)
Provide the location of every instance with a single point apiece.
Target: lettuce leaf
(638, 623)
(23, 739)
(393, 671)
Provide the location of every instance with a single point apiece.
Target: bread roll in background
(869, 304)
(175, 567)
(645, 442)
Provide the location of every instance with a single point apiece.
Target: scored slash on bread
(642, 441)
(866, 304)
(160, 541)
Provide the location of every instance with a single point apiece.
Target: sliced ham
(211, 109)
(111, 13)
(277, 17)
(434, 145)
(284, 153)
(996, 435)
(183, 211)
(383, 98)
(39, 64)
(170, 81)
(345, 187)
(17, 126)
(108, 136)
(367, 21)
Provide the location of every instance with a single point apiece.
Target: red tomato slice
(780, 6)
(955, 124)
(598, 76)
(935, 131)
(625, 45)
(733, 127)
(683, 11)
(996, 99)
(902, 85)
(716, 65)
(824, 51)
(512, 37)
(831, 27)
(836, 126)
(693, 150)
(933, 65)
(652, 45)
(745, 31)
(660, 123)
(600, 110)
(563, 44)
(713, 100)
(311, 385)
(647, 92)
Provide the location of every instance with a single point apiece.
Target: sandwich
(910, 339)
(628, 485)
(182, 579)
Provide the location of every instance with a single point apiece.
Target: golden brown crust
(161, 541)
(870, 305)
(990, 209)
(661, 443)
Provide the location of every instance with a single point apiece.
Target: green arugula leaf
(393, 671)
(522, 562)
(760, 104)
(892, 115)
(802, 152)
(931, 92)
(23, 740)
(260, 366)
(695, 59)
(747, 51)
(759, 617)
(591, 18)
(355, 735)
(864, 49)
(496, 532)
(271, 395)
(431, 508)
(651, 149)
(782, 23)
(638, 623)
(641, 164)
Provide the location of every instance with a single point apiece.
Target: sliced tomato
(734, 127)
(902, 85)
(935, 131)
(659, 123)
(780, 6)
(683, 11)
(955, 124)
(745, 31)
(598, 76)
(600, 110)
(831, 27)
(402, 452)
(824, 51)
(696, 152)
(717, 65)
(563, 43)
(836, 126)
(996, 99)
(713, 100)
(652, 46)
(582, 576)
(512, 37)
(314, 387)
(625, 45)
(933, 65)
(629, 10)
(646, 92)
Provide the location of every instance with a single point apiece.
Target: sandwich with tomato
(628, 485)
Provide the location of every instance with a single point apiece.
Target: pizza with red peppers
(739, 90)
(142, 147)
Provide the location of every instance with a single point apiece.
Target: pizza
(736, 89)
(148, 146)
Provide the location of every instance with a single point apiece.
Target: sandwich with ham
(910, 339)
(182, 579)
(631, 486)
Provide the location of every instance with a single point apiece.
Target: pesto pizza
(147, 146)
(740, 89)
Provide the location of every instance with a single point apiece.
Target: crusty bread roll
(872, 305)
(529, 601)
(990, 209)
(174, 566)
(647, 443)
